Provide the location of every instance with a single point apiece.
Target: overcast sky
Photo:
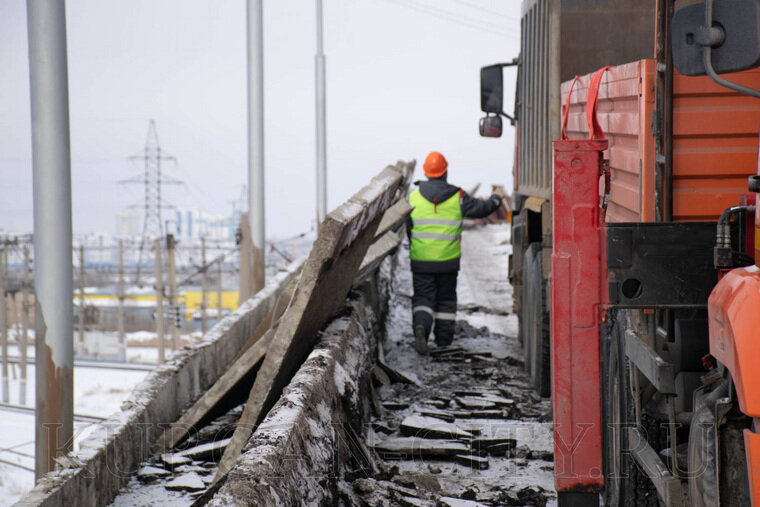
(402, 79)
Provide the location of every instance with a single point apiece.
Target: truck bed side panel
(626, 112)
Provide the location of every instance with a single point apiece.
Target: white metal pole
(82, 349)
(23, 342)
(256, 138)
(51, 162)
(321, 116)
(159, 304)
(4, 319)
(122, 339)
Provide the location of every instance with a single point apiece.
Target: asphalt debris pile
(184, 474)
(461, 427)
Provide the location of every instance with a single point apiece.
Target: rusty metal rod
(255, 40)
(51, 163)
(4, 320)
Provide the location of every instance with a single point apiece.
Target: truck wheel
(625, 485)
(717, 473)
(525, 317)
(536, 322)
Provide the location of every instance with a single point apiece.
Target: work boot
(420, 340)
(443, 343)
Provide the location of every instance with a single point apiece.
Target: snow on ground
(97, 392)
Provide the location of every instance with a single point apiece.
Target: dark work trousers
(435, 301)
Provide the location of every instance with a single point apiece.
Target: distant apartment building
(194, 224)
(128, 225)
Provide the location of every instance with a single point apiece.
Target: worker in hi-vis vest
(435, 234)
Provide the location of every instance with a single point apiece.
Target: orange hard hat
(435, 165)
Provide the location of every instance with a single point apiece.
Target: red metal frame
(577, 282)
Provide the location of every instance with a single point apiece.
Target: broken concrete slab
(484, 444)
(328, 274)
(186, 482)
(173, 460)
(149, 473)
(499, 401)
(439, 403)
(192, 468)
(190, 420)
(461, 392)
(438, 414)
(411, 448)
(394, 217)
(397, 375)
(380, 249)
(211, 450)
(473, 461)
(479, 414)
(500, 449)
(395, 405)
(476, 403)
(382, 428)
(431, 427)
(380, 376)
(448, 501)
(294, 451)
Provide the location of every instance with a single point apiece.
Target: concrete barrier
(295, 455)
(107, 458)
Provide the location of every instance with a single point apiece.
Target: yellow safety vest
(436, 228)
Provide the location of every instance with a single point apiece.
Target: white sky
(402, 80)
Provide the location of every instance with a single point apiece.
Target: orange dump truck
(635, 245)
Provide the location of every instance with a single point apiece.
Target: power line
(486, 10)
(452, 17)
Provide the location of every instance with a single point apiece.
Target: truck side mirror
(490, 126)
(492, 89)
(732, 42)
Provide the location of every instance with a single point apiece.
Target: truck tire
(536, 322)
(625, 484)
(717, 470)
(524, 321)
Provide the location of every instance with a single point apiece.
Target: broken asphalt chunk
(411, 448)
(186, 482)
(149, 473)
(472, 460)
(438, 414)
(430, 427)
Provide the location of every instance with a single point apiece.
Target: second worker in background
(435, 233)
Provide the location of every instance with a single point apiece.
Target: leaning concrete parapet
(295, 454)
(107, 458)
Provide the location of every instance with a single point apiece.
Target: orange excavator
(636, 243)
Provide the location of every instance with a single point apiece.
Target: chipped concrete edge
(107, 458)
(294, 457)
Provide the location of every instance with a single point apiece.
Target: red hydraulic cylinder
(576, 290)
